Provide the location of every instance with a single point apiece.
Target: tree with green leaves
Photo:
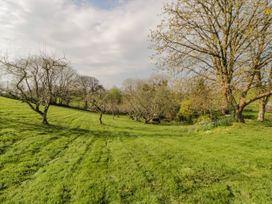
(228, 42)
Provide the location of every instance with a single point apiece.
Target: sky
(107, 39)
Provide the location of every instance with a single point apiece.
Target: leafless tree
(149, 99)
(87, 86)
(114, 96)
(2, 83)
(35, 78)
(216, 39)
(99, 103)
(65, 86)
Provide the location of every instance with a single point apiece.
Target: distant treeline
(218, 54)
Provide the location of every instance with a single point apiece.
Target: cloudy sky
(102, 38)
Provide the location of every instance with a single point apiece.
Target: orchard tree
(114, 96)
(131, 105)
(1, 82)
(99, 103)
(35, 78)
(65, 86)
(149, 100)
(228, 42)
(87, 86)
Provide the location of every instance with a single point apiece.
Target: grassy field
(75, 160)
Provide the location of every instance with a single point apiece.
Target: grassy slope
(76, 160)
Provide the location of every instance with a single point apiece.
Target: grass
(76, 160)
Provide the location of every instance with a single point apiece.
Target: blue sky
(107, 39)
(106, 4)
(103, 4)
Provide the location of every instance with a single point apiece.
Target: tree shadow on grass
(65, 131)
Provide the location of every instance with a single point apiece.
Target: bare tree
(99, 102)
(114, 100)
(149, 99)
(216, 39)
(87, 86)
(35, 78)
(65, 86)
(2, 83)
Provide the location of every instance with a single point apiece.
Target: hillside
(77, 160)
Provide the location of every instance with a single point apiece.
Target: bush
(224, 121)
(203, 119)
(186, 112)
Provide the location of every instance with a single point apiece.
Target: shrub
(203, 119)
(186, 111)
(223, 121)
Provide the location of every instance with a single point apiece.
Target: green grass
(76, 160)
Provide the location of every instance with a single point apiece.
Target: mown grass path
(76, 160)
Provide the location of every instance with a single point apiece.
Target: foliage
(186, 111)
(227, 42)
(203, 120)
(200, 99)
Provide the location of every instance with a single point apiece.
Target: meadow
(76, 160)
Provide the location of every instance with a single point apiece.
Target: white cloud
(109, 44)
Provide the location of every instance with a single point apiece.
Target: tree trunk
(228, 99)
(44, 118)
(239, 114)
(85, 105)
(100, 118)
(262, 105)
(44, 115)
(45, 121)
(113, 115)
